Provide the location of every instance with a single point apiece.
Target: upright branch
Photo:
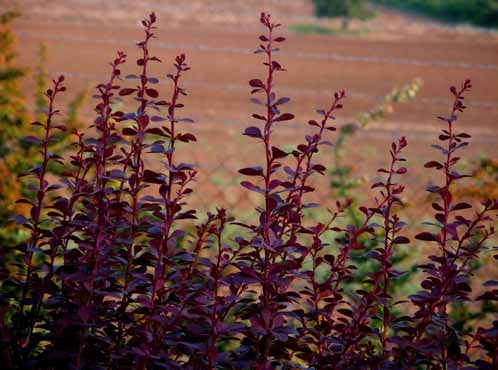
(64, 209)
(459, 241)
(173, 189)
(104, 149)
(38, 234)
(359, 316)
(128, 212)
(317, 293)
(297, 184)
(392, 226)
(140, 117)
(266, 230)
(216, 314)
(97, 201)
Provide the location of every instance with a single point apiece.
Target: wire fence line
(219, 174)
(245, 51)
(437, 101)
(218, 165)
(374, 130)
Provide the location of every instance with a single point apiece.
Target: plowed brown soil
(219, 37)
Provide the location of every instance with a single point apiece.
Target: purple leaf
(252, 171)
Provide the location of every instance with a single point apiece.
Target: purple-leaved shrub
(115, 276)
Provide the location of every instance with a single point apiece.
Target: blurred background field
(369, 55)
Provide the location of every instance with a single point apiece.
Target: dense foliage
(477, 12)
(342, 8)
(111, 275)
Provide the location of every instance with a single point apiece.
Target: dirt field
(219, 37)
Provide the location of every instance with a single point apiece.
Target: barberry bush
(119, 272)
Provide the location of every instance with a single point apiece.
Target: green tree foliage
(477, 12)
(342, 8)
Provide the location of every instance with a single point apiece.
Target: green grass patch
(317, 29)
